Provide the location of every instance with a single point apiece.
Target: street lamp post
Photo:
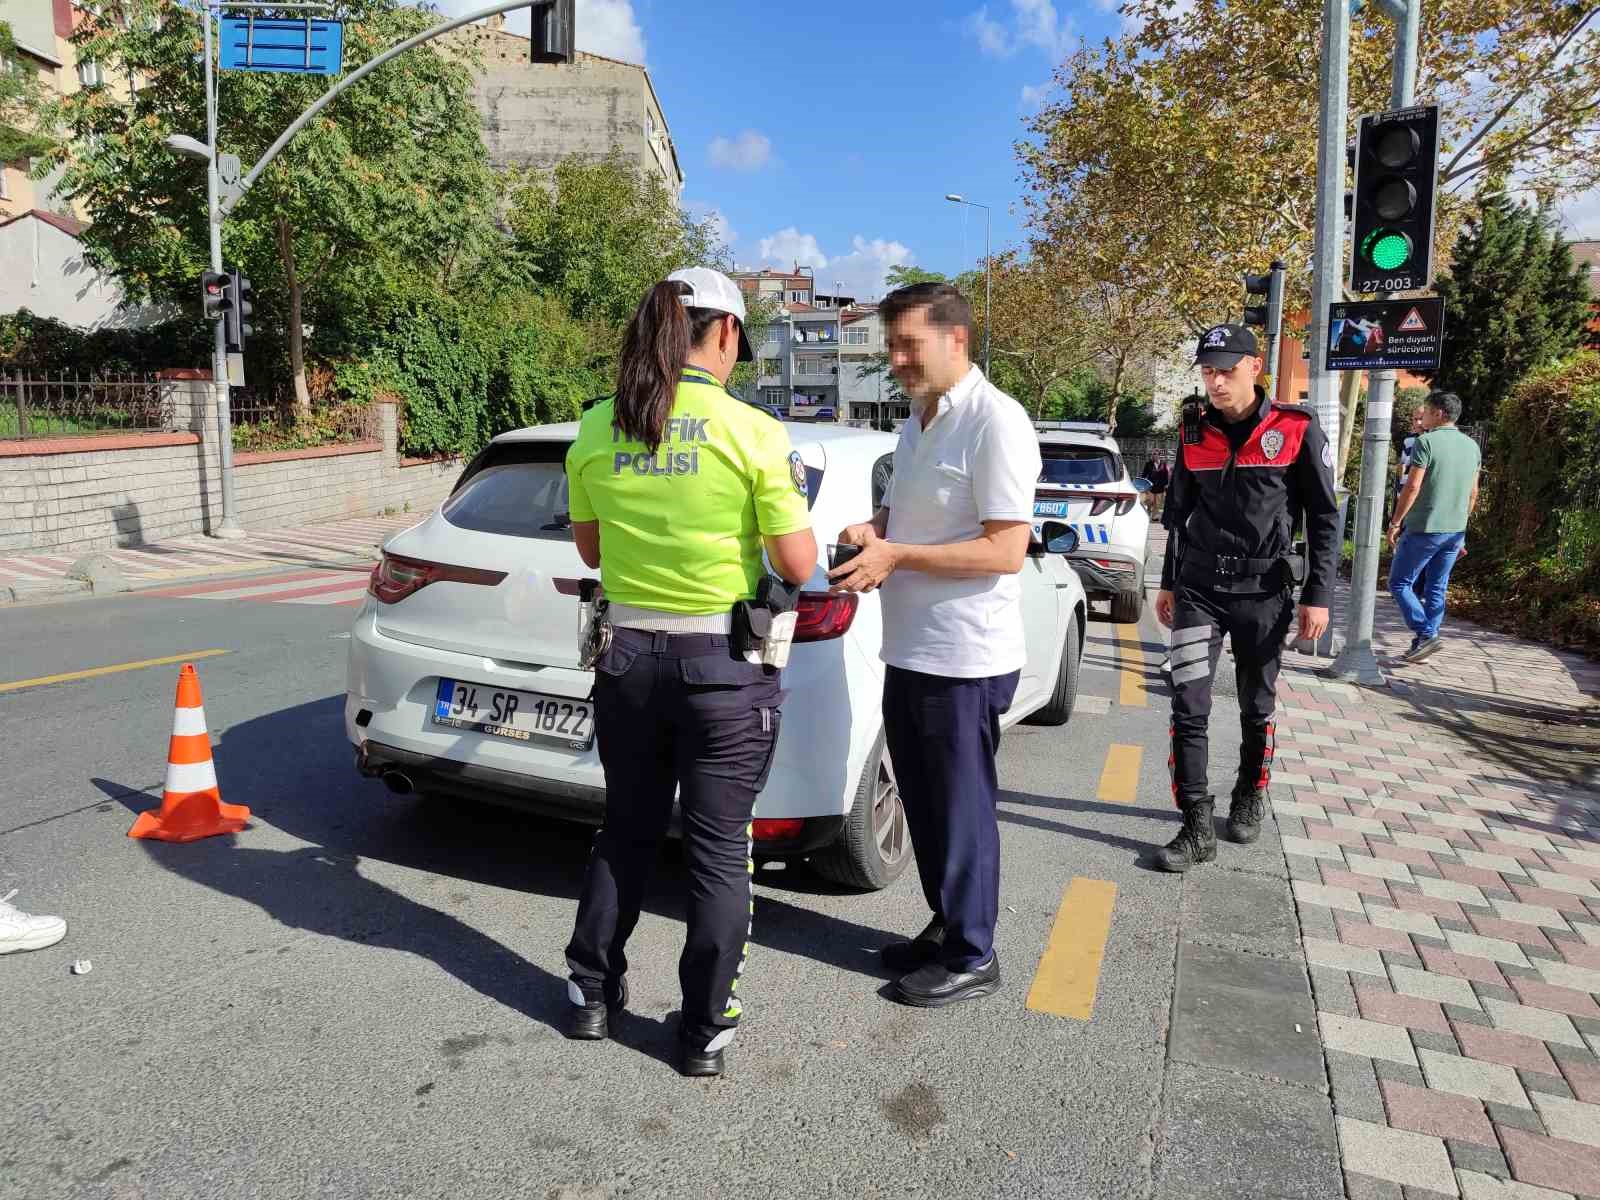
(988, 277)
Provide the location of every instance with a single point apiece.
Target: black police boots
(590, 1021)
(1196, 841)
(695, 1060)
(1245, 814)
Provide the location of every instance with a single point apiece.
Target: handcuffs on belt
(594, 623)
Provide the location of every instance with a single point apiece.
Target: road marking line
(1130, 657)
(1069, 971)
(1119, 781)
(94, 672)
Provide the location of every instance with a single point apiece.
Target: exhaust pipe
(398, 782)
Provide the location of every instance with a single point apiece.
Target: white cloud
(1175, 9)
(607, 27)
(1033, 97)
(746, 151)
(720, 229)
(1581, 215)
(861, 272)
(1034, 23)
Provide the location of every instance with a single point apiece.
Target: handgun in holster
(763, 628)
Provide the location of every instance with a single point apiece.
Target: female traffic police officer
(675, 488)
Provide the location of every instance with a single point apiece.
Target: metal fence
(46, 405)
(265, 420)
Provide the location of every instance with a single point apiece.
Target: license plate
(1050, 508)
(519, 716)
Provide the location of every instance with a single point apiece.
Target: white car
(464, 674)
(1086, 485)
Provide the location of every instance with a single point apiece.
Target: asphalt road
(355, 998)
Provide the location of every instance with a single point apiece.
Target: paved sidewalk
(196, 555)
(1443, 835)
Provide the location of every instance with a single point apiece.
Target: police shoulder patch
(797, 472)
(1327, 455)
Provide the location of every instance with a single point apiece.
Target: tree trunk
(297, 349)
(1116, 391)
(1349, 396)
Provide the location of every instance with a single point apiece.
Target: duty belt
(1229, 565)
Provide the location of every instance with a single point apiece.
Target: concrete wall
(536, 114)
(43, 270)
(72, 495)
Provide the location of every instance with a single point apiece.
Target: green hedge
(1534, 565)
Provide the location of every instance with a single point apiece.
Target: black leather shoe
(694, 1062)
(905, 956)
(591, 1022)
(935, 985)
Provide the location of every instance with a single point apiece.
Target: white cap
(714, 290)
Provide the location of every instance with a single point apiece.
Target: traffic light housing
(213, 295)
(554, 27)
(240, 293)
(1397, 167)
(1269, 316)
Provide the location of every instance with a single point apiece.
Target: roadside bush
(1534, 565)
(33, 343)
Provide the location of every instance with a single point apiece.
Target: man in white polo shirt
(946, 548)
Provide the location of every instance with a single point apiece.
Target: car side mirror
(1059, 537)
(1142, 484)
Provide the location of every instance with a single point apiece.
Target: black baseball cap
(1224, 345)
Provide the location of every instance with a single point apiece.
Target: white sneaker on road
(22, 931)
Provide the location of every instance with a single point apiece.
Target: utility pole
(1356, 662)
(1328, 252)
(229, 527)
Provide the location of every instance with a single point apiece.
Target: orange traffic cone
(191, 805)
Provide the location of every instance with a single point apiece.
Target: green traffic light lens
(1387, 249)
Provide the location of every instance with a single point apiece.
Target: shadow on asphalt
(293, 769)
(1143, 851)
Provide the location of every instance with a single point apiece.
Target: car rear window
(1079, 464)
(524, 494)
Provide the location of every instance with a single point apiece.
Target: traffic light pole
(1328, 252)
(1356, 662)
(229, 526)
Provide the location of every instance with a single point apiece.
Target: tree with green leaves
(24, 110)
(1514, 302)
(387, 191)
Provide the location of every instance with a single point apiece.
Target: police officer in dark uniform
(675, 489)
(1249, 473)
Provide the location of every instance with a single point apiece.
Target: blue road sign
(291, 45)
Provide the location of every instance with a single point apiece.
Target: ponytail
(655, 350)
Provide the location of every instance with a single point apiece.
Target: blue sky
(831, 134)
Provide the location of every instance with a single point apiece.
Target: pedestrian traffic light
(553, 30)
(1397, 164)
(238, 307)
(1268, 316)
(213, 295)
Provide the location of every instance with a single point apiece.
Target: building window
(772, 366)
(798, 297)
(855, 337)
(89, 73)
(774, 396)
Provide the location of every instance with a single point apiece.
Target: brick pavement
(1443, 838)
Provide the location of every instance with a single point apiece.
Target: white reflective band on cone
(190, 777)
(188, 721)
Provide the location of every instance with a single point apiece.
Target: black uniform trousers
(943, 734)
(677, 713)
(1256, 623)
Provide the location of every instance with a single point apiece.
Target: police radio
(1194, 407)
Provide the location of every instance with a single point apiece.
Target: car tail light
(824, 615)
(1112, 564)
(1123, 502)
(1099, 506)
(395, 577)
(777, 830)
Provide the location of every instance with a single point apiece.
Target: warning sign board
(1375, 335)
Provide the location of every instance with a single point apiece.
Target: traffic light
(213, 295)
(237, 307)
(554, 23)
(1397, 165)
(1268, 316)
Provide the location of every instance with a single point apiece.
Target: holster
(754, 621)
(1294, 564)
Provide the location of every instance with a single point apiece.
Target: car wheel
(1126, 607)
(1059, 708)
(875, 844)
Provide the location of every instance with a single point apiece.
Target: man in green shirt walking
(1430, 520)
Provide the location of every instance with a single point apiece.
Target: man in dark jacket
(1249, 472)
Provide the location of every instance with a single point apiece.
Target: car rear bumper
(1099, 580)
